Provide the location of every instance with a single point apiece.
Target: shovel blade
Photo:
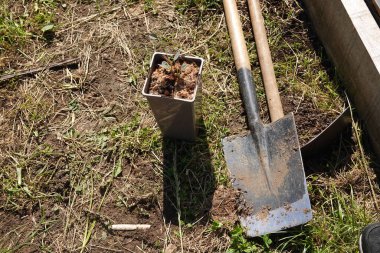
(270, 175)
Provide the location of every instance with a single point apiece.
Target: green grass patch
(24, 20)
(336, 227)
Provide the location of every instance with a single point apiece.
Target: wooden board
(351, 37)
(376, 3)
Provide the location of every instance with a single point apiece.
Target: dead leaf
(3, 62)
(171, 248)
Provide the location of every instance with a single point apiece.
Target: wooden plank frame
(376, 3)
(351, 38)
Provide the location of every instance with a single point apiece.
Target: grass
(340, 228)
(79, 149)
(19, 22)
(200, 5)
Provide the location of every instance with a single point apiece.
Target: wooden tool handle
(235, 30)
(273, 96)
(241, 58)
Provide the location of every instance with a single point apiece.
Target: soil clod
(175, 78)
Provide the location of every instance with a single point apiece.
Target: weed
(216, 226)
(36, 20)
(239, 243)
(150, 5)
(11, 30)
(73, 105)
(172, 68)
(267, 241)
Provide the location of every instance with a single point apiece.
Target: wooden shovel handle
(273, 96)
(241, 58)
(235, 30)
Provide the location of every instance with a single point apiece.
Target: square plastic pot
(177, 118)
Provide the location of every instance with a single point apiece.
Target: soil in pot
(175, 78)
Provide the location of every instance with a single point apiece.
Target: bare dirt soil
(225, 206)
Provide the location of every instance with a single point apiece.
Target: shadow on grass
(189, 182)
(333, 157)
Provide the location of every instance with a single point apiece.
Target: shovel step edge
(271, 221)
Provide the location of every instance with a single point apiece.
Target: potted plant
(173, 90)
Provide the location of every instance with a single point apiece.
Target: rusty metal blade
(266, 166)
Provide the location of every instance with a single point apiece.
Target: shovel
(265, 164)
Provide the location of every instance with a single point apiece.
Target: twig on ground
(301, 99)
(130, 227)
(33, 71)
